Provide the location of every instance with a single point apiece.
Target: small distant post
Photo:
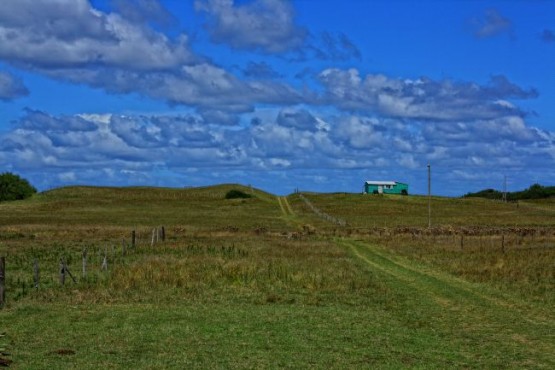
(104, 266)
(36, 273)
(84, 263)
(505, 189)
(62, 272)
(2, 281)
(133, 239)
(429, 196)
(163, 231)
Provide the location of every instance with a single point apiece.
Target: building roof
(369, 182)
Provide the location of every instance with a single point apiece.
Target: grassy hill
(268, 282)
(366, 211)
(204, 207)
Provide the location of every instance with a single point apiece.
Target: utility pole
(429, 196)
(505, 189)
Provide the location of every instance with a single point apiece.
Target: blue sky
(315, 95)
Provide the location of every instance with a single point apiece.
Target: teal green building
(386, 187)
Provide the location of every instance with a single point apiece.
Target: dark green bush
(237, 194)
(13, 187)
(536, 191)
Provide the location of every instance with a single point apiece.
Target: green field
(268, 282)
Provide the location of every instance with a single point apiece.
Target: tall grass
(218, 249)
(519, 260)
(236, 284)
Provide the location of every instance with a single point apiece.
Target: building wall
(395, 189)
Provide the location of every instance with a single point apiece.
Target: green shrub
(536, 191)
(13, 187)
(237, 194)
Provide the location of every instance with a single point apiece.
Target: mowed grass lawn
(238, 284)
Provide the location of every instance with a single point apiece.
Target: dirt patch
(4, 362)
(64, 352)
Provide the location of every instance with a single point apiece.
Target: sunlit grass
(247, 283)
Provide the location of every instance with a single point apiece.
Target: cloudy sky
(317, 95)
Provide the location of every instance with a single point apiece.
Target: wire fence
(323, 215)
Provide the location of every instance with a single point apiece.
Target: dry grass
(246, 284)
(519, 260)
(508, 245)
(371, 211)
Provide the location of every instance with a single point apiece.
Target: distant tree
(536, 191)
(486, 193)
(13, 187)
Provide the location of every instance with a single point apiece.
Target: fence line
(159, 234)
(321, 214)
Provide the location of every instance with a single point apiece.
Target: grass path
(280, 202)
(288, 206)
(287, 212)
(488, 315)
(285, 207)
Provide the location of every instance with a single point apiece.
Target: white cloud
(11, 87)
(63, 34)
(422, 98)
(72, 41)
(266, 25)
(492, 24)
(84, 145)
(408, 161)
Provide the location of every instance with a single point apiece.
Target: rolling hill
(276, 281)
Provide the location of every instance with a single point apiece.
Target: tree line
(535, 191)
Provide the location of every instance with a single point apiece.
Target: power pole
(505, 189)
(429, 196)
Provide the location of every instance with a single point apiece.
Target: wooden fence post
(84, 263)
(153, 236)
(133, 239)
(62, 272)
(104, 266)
(36, 273)
(2, 281)
(163, 234)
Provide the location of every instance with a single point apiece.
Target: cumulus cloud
(72, 41)
(264, 25)
(78, 146)
(268, 26)
(422, 98)
(300, 119)
(61, 34)
(11, 87)
(511, 129)
(145, 11)
(493, 23)
(41, 121)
